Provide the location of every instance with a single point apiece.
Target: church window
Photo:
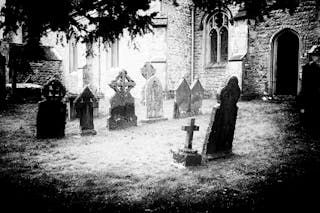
(217, 38)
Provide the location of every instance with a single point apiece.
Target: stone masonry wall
(258, 64)
(178, 41)
(212, 77)
(44, 70)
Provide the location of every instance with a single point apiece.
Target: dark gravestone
(84, 107)
(2, 82)
(187, 156)
(197, 93)
(72, 112)
(51, 117)
(310, 92)
(219, 137)
(122, 109)
(182, 100)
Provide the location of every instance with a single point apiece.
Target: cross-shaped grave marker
(122, 109)
(123, 83)
(187, 156)
(190, 129)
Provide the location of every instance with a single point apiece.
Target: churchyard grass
(133, 169)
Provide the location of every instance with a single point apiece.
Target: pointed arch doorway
(285, 63)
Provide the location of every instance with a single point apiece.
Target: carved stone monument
(147, 71)
(188, 156)
(51, 117)
(122, 108)
(84, 107)
(219, 137)
(154, 100)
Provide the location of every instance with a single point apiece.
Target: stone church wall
(178, 41)
(258, 64)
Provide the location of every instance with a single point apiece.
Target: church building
(188, 43)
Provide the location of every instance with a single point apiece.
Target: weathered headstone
(84, 107)
(51, 117)
(219, 137)
(2, 82)
(197, 93)
(182, 100)
(310, 92)
(154, 100)
(122, 109)
(188, 156)
(147, 72)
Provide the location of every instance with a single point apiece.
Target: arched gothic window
(217, 39)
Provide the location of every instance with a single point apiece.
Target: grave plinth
(188, 156)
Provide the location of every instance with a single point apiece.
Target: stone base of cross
(187, 156)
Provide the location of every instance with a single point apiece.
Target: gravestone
(188, 156)
(2, 82)
(182, 100)
(154, 100)
(84, 107)
(310, 93)
(197, 93)
(219, 137)
(122, 108)
(147, 72)
(51, 117)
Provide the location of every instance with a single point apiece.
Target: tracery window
(217, 38)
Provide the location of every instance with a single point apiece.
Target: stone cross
(187, 156)
(190, 129)
(148, 70)
(123, 83)
(122, 108)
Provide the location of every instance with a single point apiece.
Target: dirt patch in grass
(133, 169)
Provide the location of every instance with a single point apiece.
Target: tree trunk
(3, 92)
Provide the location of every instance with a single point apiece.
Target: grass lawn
(275, 164)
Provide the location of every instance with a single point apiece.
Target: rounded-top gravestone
(51, 117)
